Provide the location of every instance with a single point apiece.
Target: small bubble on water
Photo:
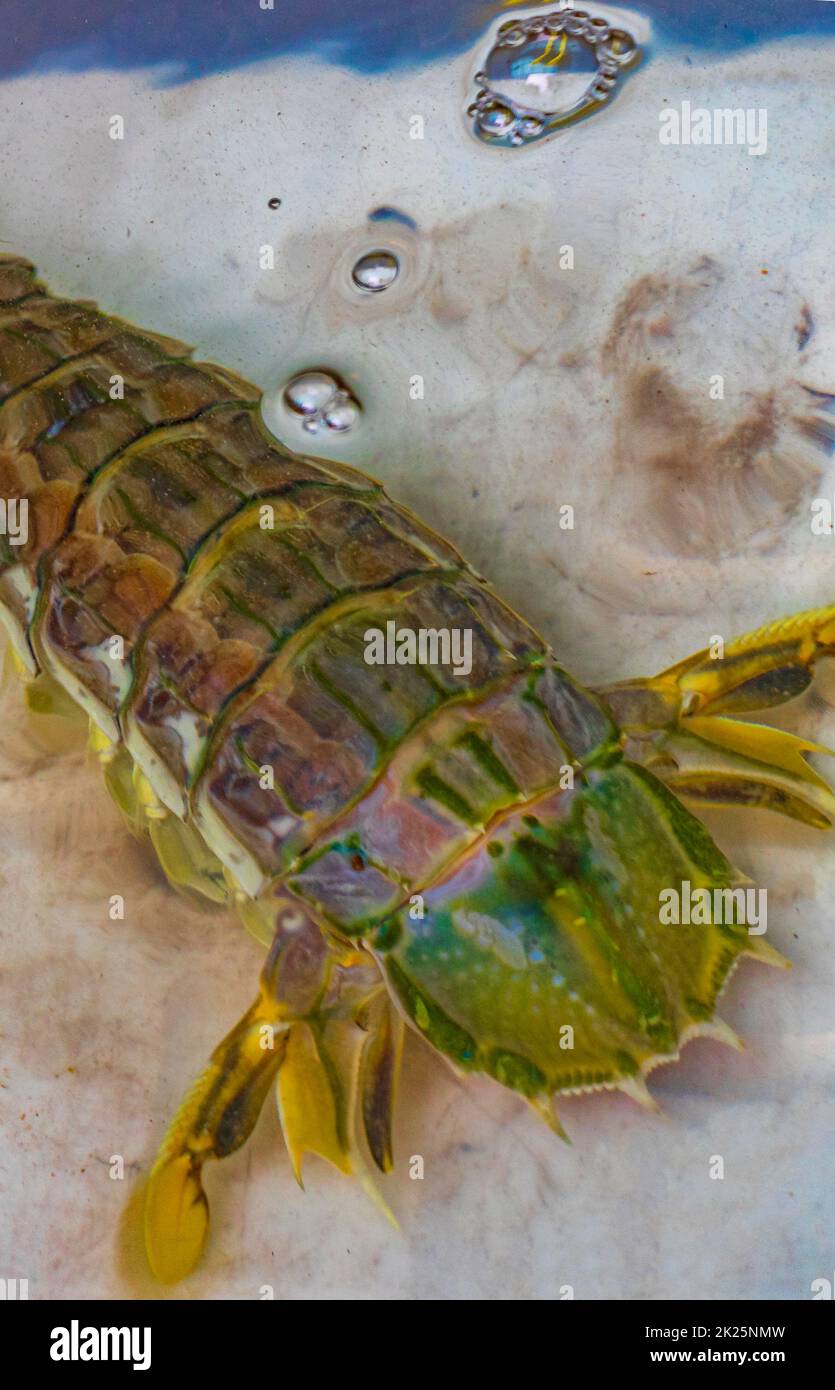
(375, 271)
(308, 393)
(511, 35)
(274, 203)
(495, 119)
(342, 416)
(530, 126)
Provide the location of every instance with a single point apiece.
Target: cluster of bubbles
(322, 402)
(499, 118)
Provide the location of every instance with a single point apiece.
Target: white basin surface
(500, 379)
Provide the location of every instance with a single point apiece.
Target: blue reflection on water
(204, 36)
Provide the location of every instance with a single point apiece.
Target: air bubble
(308, 393)
(513, 37)
(343, 416)
(620, 46)
(554, 24)
(495, 119)
(323, 403)
(543, 73)
(530, 126)
(576, 23)
(375, 271)
(598, 30)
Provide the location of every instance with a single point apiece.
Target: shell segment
(540, 957)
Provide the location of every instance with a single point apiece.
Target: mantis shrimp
(478, 853)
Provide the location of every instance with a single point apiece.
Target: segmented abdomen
(241, 580)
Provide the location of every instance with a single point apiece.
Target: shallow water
(552, 338)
